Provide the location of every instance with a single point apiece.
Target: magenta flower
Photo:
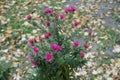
(32, 41)
(28, 57)
(55, 47)
(90, 32)
(28, 17)
(76, 43)
(35, 51)
(62, 16)
(47, 23)
(82, 54)
(49, 57)
(86, 46)
(47, 35)
(58, 48)
(41, 39)
(70, 9)
(56, 16)
(34, 63)
(48, 11)
(75, 23)
(73, 8)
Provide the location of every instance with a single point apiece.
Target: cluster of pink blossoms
(55, 47)
(70, 9)
(48, 11)
(77, 43)
(49, 56)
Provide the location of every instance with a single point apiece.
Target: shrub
(58, 52)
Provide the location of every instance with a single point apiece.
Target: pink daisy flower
(86, 46)
(47, 35)
(55, 47)
(76, 43)
(62, 16)
(75, 23)
(73, 8)
(35, 51)
(47, 23)
(70, 9)
(48, 11)
(82, 54)
(28, 17)
(49, 57)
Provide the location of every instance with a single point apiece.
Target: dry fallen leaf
(9, 31)
(3, 39)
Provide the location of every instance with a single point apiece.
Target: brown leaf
(3, 39)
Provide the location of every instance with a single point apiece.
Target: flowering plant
(57, 53)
